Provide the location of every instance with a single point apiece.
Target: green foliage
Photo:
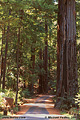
(74, 111)
(6, 93)
(30, 17)
(1, 99)
(77, 99)
(25, 93)
(66, 104)
(10, 94)
(16, 108)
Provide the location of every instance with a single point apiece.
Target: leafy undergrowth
(8, 93)
(10, 112)
(3, 104)
(72, 112)
(69, 108)
(71, 116)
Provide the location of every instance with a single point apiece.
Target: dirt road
(41, 109)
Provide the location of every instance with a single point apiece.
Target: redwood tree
(17, 61)
(2, 59)
(45, 58)
(40, 74)
(5, 59)
(67, 84)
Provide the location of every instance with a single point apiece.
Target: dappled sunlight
(47, 101)
(41, 105)
(40, 110)
(20, 113)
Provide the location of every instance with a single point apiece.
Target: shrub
(25, 93)
(6, 93)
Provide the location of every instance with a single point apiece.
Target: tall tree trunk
(31, 82)
(33, 65)
(18, 43)
(2, 59)
(5, 59)
(67, 84)
(33, 57)
(49, 59)
(40, 74)
(46, 60)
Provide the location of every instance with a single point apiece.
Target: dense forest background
(28, 47)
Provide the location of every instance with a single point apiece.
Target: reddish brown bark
(45, 58)
(40, 74)
(67, 83)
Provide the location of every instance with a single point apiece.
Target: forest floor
(38, 108)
